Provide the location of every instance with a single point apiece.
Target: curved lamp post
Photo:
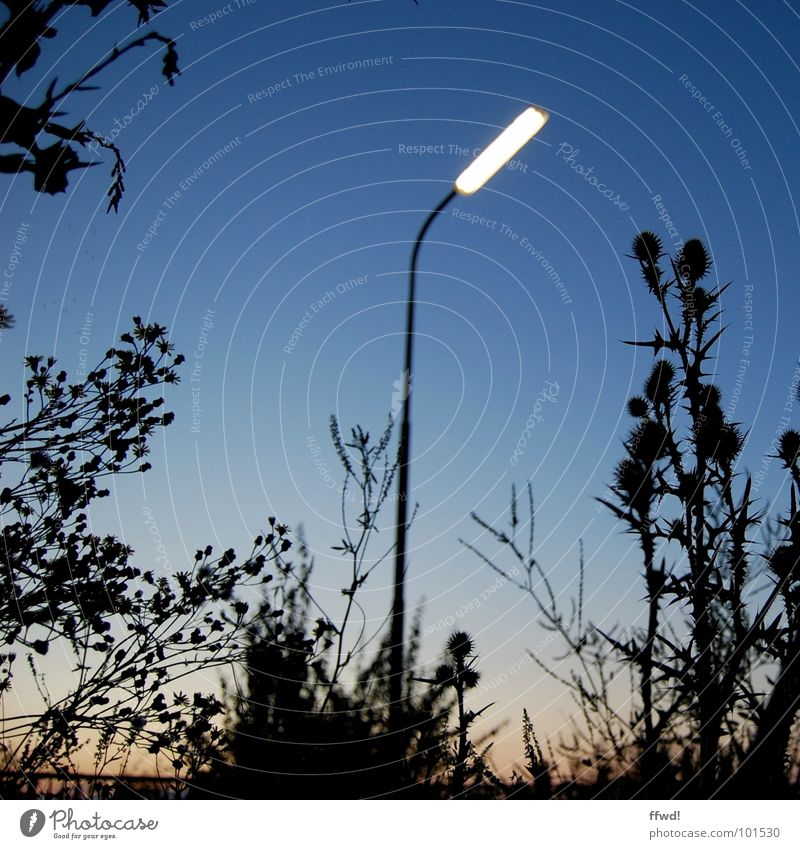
(480, 170)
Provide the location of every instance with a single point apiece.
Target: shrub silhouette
(713, 671)
(297, 727)
(679, 493)
(285, 740)
(284, 744)
(131, 634)
(715, 684)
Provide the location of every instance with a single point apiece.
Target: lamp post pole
(475, 175)
(396, 664)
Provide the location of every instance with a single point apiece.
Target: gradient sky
(681, 111)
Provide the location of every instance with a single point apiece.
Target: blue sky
(282, 183)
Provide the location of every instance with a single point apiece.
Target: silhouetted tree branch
(24, 127)
(125, 633)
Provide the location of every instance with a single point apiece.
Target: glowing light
(521, 130)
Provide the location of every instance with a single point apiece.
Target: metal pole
(398, 605)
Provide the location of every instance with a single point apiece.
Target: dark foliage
(678, 491)
(129, 634)
(714, 687)
(24, 130)
(298, 727)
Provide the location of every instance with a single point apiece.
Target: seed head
(789, 448)
(647, 247)
(693, 261)
(659, 385)
(638, 407)
(460, 645)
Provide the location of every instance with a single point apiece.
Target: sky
(272, 198)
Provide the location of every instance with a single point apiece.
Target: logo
(31, 822)
(402, 389)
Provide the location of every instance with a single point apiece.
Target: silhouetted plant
(768, 762)
(6, 319)
(460, 674)
(539, 785)
(535, 762)
(368, 470)
(600, 745)
(26, 128)
(288, 740)
(298, 727)
(677, 490)
(129, 632)
(703, 705)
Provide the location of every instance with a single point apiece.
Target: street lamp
(477, 174)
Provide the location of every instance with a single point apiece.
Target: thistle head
(470, 678)
(789, 448)
(634, 485)
(693, 261)
(638, 408)
(460, 645)
(710, 396)
(649, 442)
(784, 562)
(647, 247)
(445, 674)
(658, 387)
(729, 444)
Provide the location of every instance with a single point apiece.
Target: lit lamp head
(493, 157)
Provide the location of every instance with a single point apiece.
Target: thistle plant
(766, 761)
(678, 491)
(460, 674)
(713, 669)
